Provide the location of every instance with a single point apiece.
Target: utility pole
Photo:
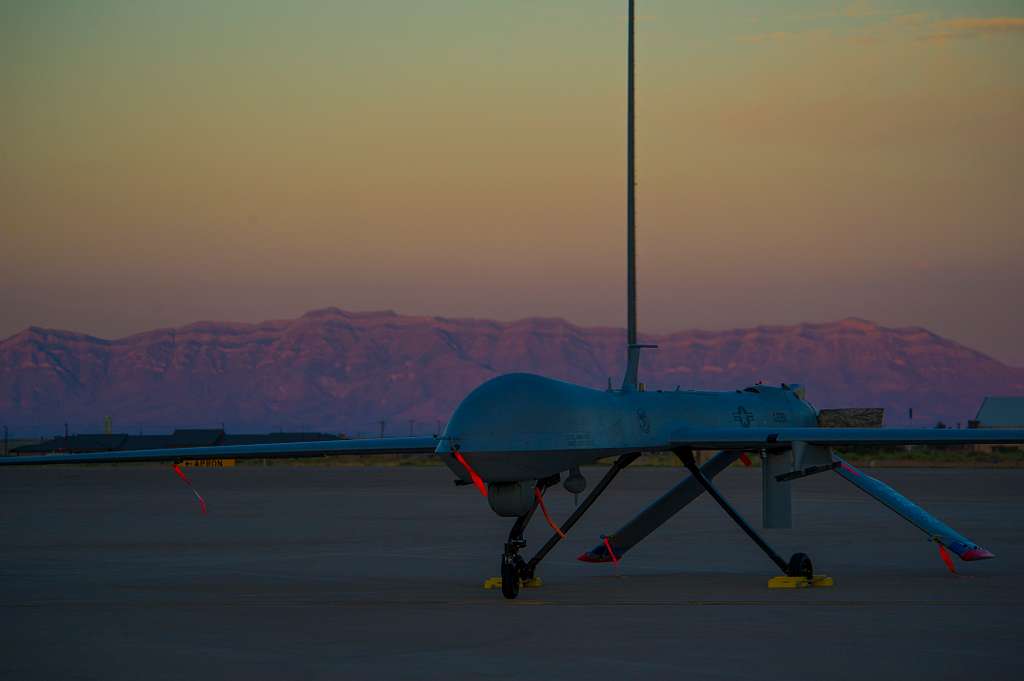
(910, 417)
(5, 441)
(412, 423)
(382, 423)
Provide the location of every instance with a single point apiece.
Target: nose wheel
(509, 577)
(513, 567)
(800, 566)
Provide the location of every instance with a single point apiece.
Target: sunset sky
(165, 162)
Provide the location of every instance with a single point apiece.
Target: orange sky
(168, 162)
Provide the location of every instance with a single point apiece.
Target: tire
(509, 579)
(800, 566)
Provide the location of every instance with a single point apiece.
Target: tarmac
(357, 573)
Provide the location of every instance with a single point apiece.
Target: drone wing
(288, 450)
(782, 438)
(815, 447)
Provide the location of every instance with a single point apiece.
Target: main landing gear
(799, 564)
(515, 570)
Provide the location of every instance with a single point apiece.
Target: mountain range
(344, 371)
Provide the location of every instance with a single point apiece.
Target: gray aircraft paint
(522, 426)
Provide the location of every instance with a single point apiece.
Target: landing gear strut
(799, 564)
(513, 568)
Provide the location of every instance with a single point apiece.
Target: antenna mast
(631, 183)
(629, 381)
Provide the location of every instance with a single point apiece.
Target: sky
(166, 162)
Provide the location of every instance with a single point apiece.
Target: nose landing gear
(510, 575)
(513, 568)
(516, 571)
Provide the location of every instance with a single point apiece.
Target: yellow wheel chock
(786, 582)
(532, 583)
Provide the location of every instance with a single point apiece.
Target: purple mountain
(344, 371)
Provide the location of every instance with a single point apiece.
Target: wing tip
(977, 553)
(594, 556)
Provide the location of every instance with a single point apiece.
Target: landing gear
(799, 564)
(514, 569)
(509, 577)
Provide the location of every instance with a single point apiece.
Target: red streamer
(477, 480)
(202, 503)
(745, 459)
(607, 545)
(944, 554)
(544, 510)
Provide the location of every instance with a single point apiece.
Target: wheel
(800, 566)
(509, 578)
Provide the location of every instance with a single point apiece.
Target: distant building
(182, 438)
(98, 442)
(865, 417)
(1000, 412)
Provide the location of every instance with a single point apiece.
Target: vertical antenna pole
(631, 183)
(629, 381)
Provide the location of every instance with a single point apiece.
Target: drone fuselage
(527, 427)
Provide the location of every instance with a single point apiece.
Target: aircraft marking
(645, 423)
(743, 417)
